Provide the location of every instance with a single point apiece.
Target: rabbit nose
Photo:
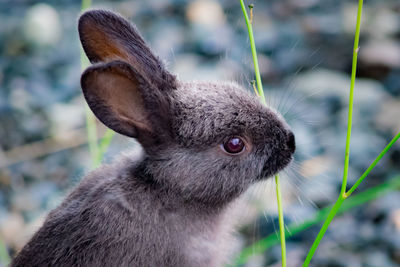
(291, 143)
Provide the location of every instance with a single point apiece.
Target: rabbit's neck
(171, 197)
(186, 184)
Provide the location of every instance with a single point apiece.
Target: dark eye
(234, 145)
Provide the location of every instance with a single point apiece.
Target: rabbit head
(208, 141)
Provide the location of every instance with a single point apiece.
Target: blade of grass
(104, 144)
(336, 207)
(324, 227)
(4, 256)
(97, 150)
(85, 4)
(293, 229)
(253, 51)
(378, 158)
(341, 198)
(281, 221)
(262, 97)
(350, 112)
(342, 195)
(90, 119)
(92, 134)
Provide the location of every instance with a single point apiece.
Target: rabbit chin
(272, 168)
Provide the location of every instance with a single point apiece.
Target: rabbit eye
(234, 145)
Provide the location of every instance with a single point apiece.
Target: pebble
(384, 52)
(208, 13)
(42, 25)
(386, 118)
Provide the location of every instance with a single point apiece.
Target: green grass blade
(260, 91)
(350, 112)
(91, 128)
(4, 256)
(92, 134)
(85, 4)
(253, 52)
(104, 144)
(97, 150)
(373, 164)
(342, 195)
(281, 221)
(323, 230)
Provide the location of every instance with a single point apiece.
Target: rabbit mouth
(272, 167)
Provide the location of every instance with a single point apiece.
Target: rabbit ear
(106, 37)
(124, 100)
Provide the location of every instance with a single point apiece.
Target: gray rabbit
(203, 144)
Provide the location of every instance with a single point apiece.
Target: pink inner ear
(141, 124)
(122, 95)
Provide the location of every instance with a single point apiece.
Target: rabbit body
(117, 217)
(203, 144)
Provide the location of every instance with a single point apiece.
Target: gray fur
(167, 205)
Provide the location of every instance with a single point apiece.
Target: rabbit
(168, 203)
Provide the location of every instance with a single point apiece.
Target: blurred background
(305, 52)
